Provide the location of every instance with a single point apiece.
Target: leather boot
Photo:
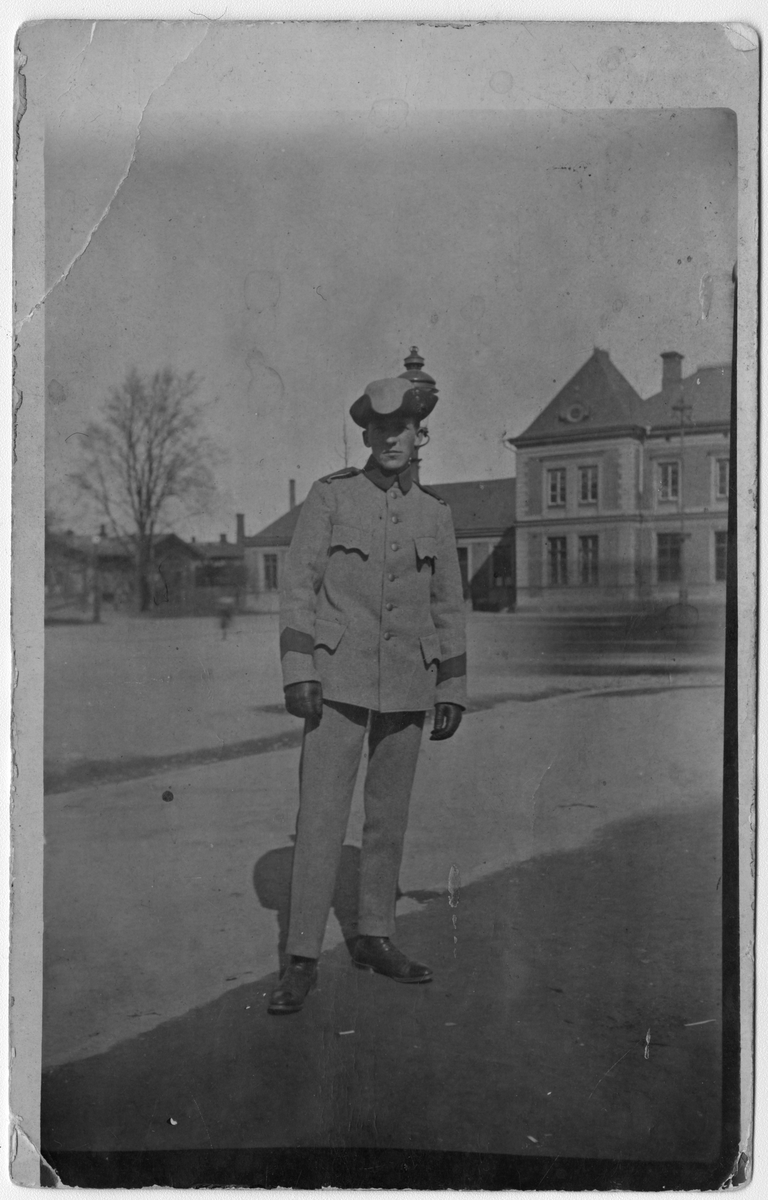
(297, 981)
(379, 955)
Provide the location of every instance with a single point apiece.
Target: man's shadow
(272, 884)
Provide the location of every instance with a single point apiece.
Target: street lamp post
(684, 410)
(413, 370)
(96, 574)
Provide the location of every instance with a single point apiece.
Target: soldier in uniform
(371, 638)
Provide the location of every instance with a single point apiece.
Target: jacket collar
(386, 479)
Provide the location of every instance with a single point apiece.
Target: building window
(721, 555)
(557, 558)
(669, 557)
(588, 560)
(669, 481)
(721, 478)
(587, 485)
(270, 572)
(556, 480)
(463, 554)
(502, 566)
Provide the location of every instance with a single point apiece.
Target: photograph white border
(27, 847)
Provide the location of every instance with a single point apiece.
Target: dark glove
(304, 699)
(447, 721)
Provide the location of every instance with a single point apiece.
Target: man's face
(392, 441)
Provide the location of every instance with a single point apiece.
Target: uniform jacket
(371, 603)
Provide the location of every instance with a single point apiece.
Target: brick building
(623, 500)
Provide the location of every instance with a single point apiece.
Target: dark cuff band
(452, 668)
(296, 642)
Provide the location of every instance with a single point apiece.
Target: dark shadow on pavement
(575, 1011)
(272, 884)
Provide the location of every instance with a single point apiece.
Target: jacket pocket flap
(426, 547)
(328, 633)
(351, 537)
(430, 647)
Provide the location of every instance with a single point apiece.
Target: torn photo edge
(27, 632)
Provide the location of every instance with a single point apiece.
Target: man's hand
(447, 721)
(304, 699)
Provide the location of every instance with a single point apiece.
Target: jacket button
(391, 577)
(387, 636)
(395, 546)
(393, 495)
(395, 520)
(389, 607)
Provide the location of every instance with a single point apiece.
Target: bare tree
(146, 452)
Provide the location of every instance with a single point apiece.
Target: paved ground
(578, 806)
(125, 697)
(530, 1040)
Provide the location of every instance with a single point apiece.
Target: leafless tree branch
(146, 451)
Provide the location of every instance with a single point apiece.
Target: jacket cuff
(452, 680)
(453, 691)
(298, 668)
(297, 619)
(453, 648)
(296, 639)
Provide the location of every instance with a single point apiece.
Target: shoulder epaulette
(347, 473)
(429, 492)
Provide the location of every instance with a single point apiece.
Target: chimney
(291, 493)
(222, 539)
(240, 518)
(671, 374)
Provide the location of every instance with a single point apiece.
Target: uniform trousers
(330, 757)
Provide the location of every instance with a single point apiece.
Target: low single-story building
(220, 574)
(84, 573)
(483, 514)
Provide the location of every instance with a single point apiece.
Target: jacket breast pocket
(328, 633)
(426, 550)
(430, 648)
(351, 537)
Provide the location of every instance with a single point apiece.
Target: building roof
(279, 533)
(479, 508)
(708, 391)
(598, 400)
(596, 397)
(218, 549)
(82, 546)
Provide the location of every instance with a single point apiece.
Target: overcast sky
(288, 235)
